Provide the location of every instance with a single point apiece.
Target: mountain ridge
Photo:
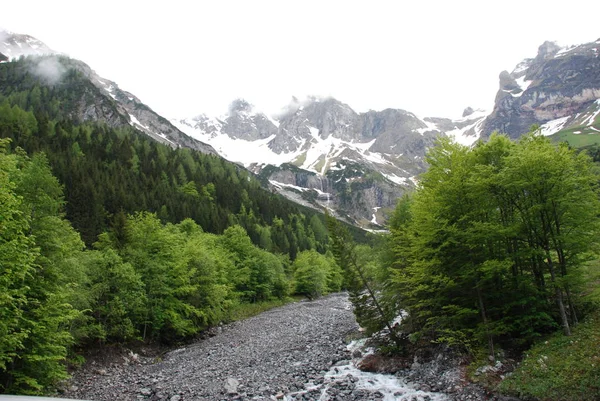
(322, 137)
(559, 83)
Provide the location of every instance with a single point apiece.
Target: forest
(142, 279)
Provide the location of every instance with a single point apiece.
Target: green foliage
(490, 248)
(39, 277)
(181, 240)
(116, 297)
(315, 274)
(372, 307)
(110, 170)
(145, 279)
(258, 275)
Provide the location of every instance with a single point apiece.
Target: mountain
(558, 90)
(321, 152)
(98, 99)
(13, 45)
(109, 167)
(317, 152)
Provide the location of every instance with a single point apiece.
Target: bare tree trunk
(375, 301)
(559, 296)
(490, 337)
(574, 319)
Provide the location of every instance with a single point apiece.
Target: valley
(459, 242)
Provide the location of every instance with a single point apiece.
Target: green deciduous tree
(492, 238)
(315, 274)
(40, 282)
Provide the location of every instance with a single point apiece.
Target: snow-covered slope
(583, 123)
(317, 135)
(465, 130)
(319, 144)
(13, 45)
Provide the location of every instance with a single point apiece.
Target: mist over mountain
(358, 163)
(103, 101)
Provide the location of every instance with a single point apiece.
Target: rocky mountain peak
(328, 116)
(13, 45)
(557, 84)
(467, 112)
(242, 122)
(547, 50)
(240, 106)
(508, 83)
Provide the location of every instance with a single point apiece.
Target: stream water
(389, 387)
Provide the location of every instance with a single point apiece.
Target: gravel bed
(263, 358)
(297, 352)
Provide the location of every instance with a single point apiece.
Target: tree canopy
(489, 247)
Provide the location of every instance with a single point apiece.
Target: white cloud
(184, 58)
(49, 69)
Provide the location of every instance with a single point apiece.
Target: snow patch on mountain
(136, 123)
(467, 129)
(429, 127)
(523, 85)
(522, 66)
(14, 45)
(459, 134)
(591, 120)
(374, 219)
(396, 179)
(238, 150)
(553, 126)
(321, 151)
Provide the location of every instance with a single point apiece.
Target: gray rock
(145, 391)
(560, 85)
(231, 385)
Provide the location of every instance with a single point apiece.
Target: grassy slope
(561, 367)
(587, 136)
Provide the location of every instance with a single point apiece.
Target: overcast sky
(182, 58)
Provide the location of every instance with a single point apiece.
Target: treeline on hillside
(490, 250)
(143, 279)
(106, 171)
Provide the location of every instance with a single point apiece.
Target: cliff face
(557, 83)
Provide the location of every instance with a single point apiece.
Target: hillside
(320, 153)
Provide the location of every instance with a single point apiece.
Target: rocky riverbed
(296, 352)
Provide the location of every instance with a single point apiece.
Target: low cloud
(295, 104)
(49, 69)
